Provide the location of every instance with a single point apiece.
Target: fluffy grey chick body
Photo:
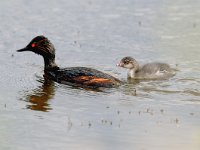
(154, 70)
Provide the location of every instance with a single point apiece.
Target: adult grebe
(79, 76)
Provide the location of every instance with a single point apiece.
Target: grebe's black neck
(49, 64)
(49, 56)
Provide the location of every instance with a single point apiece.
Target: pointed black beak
(23, 49)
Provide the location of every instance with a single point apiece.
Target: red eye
(33, 45)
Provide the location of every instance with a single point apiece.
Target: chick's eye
(126, 62)
(33, 45)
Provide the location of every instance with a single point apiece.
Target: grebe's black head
(42, 46)
(128, 62)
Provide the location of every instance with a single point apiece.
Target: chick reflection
(40, 96)
(130, 87)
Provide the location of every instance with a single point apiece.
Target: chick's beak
(120, 64)
(23, 49)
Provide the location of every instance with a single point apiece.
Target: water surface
(35, 114)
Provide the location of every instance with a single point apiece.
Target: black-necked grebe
(79, 76)
(153, 70)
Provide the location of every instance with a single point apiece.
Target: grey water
(163, 114)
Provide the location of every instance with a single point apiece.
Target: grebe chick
(154, 70)
(78, 76)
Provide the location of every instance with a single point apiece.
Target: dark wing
(84, 76)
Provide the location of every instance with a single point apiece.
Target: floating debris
(139, 112)
(192, 114)
(89, 124)
(118, 112)
(176, 121)
(110, 122)
(139, 23)
(69, 123)
(194, 25)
